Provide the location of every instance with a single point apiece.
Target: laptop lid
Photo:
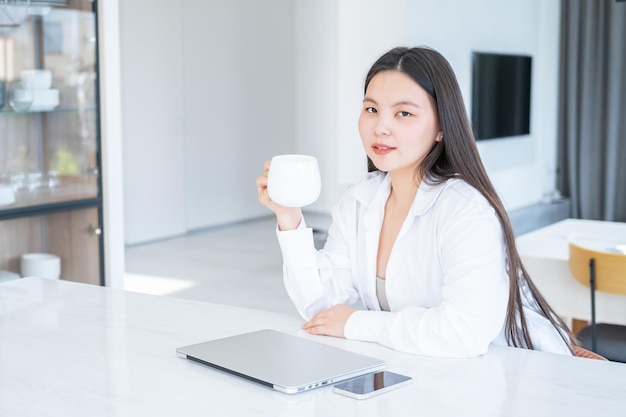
(281, 361)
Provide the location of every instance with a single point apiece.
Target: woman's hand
(329, 322)
(288, 217)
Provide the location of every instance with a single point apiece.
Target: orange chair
(606, 272)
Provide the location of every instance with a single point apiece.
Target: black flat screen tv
(500, 95)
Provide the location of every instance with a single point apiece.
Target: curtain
(592, 108)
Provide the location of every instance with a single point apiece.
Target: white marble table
(545, 254)
(69, 349)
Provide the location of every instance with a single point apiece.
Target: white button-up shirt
(446, 279)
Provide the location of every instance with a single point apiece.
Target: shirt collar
(374, 190)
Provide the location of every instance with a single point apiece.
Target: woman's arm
(317, 280)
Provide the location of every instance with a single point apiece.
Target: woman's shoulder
(456, 197)
(457, 190)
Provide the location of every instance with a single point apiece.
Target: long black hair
(456, 156)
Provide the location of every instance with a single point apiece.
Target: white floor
(239, 265)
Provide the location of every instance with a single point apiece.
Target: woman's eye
(404, 114)
(371, 110)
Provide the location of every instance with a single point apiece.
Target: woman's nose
(382, 127)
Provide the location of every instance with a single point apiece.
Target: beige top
(381, 293)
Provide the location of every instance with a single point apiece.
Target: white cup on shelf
(42, 265)
(39, 79)
(294, 180)
(7, 195)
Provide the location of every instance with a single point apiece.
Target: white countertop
(552, 241)
(69, 349)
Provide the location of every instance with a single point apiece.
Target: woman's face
(398, 123)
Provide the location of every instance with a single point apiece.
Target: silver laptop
(281, 361)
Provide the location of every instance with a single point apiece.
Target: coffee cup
(294, 180)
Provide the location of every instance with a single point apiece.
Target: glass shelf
(56, 110)
(68, 188)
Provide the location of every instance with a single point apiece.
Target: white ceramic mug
(42, 265)
(294, 180)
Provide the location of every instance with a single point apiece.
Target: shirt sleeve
(316, 280)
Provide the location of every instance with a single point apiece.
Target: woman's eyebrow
(396, 104)
(406, 103)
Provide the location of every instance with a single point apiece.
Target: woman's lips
(380, 149)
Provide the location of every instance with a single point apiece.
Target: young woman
(423, 241)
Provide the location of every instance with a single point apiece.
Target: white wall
(152, 118)
(207, 98)
(522, 169)
(239, 103)
(213, 89)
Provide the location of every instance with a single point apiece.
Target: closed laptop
(281, 361)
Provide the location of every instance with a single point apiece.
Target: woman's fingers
(329, 322)
(288, 218)
(261, 185)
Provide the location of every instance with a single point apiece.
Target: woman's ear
(439, 136)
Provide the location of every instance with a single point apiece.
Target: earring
(440, 138)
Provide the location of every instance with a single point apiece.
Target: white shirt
(446, 279)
